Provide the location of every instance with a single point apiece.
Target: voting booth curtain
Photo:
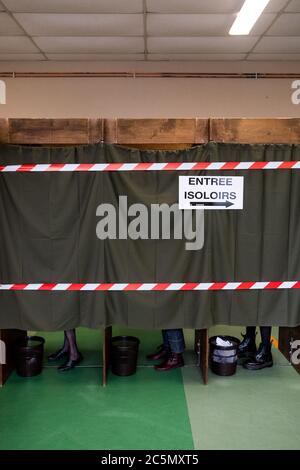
(48, 235)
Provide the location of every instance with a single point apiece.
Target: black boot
(247, 349)
(262, 359)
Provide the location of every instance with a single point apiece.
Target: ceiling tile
(194, 6)
(262, 24)
(228, 44)
(199, 24)
(16, 44)
(8, 26)
(196, 57)
(206, 6)
(95, 57)
(274, 57)
(288, 24)
(278, 44)
(188, 24)
(51, 24)
(18, 57)
(75, 6)
(94, 44)
(294, 6)
(274, 6)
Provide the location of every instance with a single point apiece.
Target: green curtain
(48, 234)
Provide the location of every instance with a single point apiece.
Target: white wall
(141, 97)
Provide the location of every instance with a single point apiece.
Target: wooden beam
(122, 131)
(154, 133)
(255, 131)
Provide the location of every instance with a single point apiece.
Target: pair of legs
(170, 352)
(69, 351)
(249, 356)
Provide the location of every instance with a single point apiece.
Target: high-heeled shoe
(60, 354)
(70, 364)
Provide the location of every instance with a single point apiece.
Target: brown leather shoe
(172, 362)
(160, 353)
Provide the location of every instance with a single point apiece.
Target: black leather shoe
(60, 354)
(160, 353)
(247, 349)
(70, 364)
(262, 359)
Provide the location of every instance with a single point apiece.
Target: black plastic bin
(124, 353)
(223, 359)
(29, 356)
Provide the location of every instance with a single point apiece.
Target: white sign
(211, 192)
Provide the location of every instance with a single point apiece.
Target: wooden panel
(30, 131)
(156, 131)
(106, 342)
(255, 131)
(202, 348)
(48, 131)
(286, 336)
(4, 130)
(69, 131)
(9, 337)
(96, 130)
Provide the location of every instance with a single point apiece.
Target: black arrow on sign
(207, 204)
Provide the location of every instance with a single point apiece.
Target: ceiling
(72, 30)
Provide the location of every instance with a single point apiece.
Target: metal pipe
(250, 75)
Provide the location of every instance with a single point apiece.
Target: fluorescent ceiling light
(247, 16)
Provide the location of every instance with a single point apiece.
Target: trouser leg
(165, 339)
(175, 340)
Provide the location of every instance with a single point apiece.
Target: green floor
(150, 410)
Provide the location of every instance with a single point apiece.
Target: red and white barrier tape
(170, 166)
(158, 286)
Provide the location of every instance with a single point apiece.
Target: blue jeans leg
(165, 339)
(174, 340)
